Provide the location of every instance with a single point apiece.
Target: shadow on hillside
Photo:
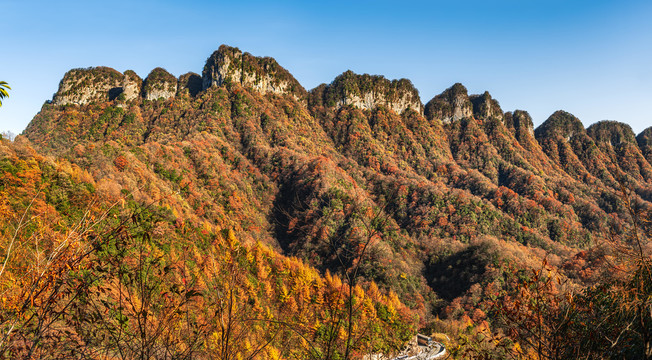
(451, 276)
(284, 207)
(114, 93)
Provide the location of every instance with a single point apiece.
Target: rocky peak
(560, 124)
(159, 84)
(520, 122)
(132, 85)
(644, 140)
(645, 137)
(612, 132)
(484, 106)
(189, 83)
(367, 92)
(263, 74)
(451, 105)
(84, 86)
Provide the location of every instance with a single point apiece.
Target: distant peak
(484, 106)
(83, 86)
(159, 84)
(612, 132)
(644, 140)
(645, 137)
(451, 105)
(560, 123)
(520, 122)
(457, 89)
(263, 74)
(367, 92)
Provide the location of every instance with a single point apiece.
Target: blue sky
(591, 58)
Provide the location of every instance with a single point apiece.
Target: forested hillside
(236, 215)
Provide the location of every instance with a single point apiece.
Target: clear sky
(591, 58)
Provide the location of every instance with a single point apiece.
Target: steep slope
(565, 141)
(510, 170)
(618, 142)
(99, 274)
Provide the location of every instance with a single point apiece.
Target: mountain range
(425, 206)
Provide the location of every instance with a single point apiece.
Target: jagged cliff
(521, 123)
(368, 92)
(476, 131)
(101, 84)
(484, 106)
(451, 105)
(159, 84)
(229, 64)
(131, 86)
(83, 86)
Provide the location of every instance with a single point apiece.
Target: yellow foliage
(273, 353)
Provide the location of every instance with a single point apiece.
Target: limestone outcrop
(484, 106)
(159, 84)
(520, 123)
(368, 92)
(132, 85)
(84, 86)
(451, 105)
(262, 74)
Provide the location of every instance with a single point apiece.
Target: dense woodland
(231, 221)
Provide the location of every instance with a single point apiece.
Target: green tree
(3, 90)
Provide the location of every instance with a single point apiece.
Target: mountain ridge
(244, 146)
(266, 75)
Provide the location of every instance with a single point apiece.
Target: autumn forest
(235, 215)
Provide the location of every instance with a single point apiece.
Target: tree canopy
(3, 90)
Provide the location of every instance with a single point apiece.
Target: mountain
(426, 207)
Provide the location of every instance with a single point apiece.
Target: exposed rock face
(451, 105)
(612, 132)
(562, 124)
(484, 106)
(368, 92)
(159, 84)
(265, 75)
(520, 122)
(223, 65)
(84, 86)
(189, 83)
(132, 85)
